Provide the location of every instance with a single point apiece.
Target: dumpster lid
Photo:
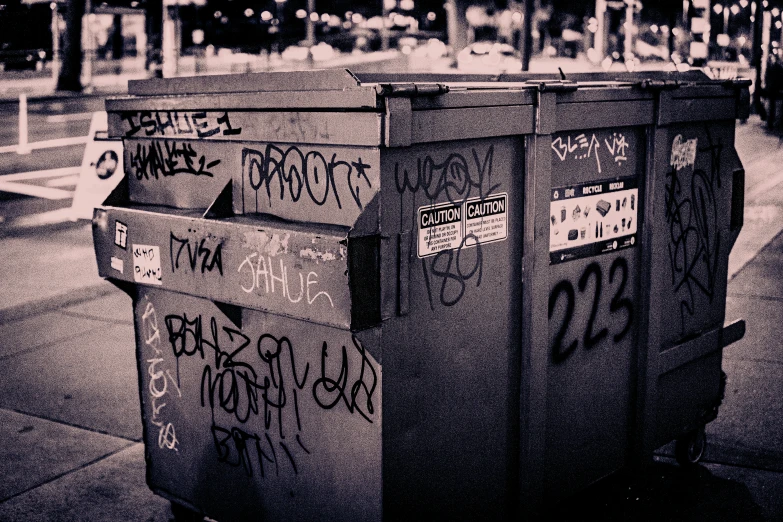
(318, 80)
(344, 79)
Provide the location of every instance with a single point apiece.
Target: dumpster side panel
(593, 307)
(693, 230)
(273, 418)
(451, 354)
(695, 219)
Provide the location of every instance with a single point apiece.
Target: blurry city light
(266, 16)
(743, 3)
(676, 31)
(53, 6)
(217, 14)
(406, 5)
(735, 9)
(280, 1)
(775, 11)
(742, 40)
(717, 8)
(765, 3)
(325, 17)
(592, 25)
(654, 28)
(516, 17)
(249, 12)
(778, 24)
(314, 17)
(197, 36)
(723, 40)
(347, 25)
(431, 16)
(357, 18)
(301, 13)
(389, 4)
(752, 18)
(134, 4)
(664, 29)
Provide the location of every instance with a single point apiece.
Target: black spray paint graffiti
(457, 180)
(194, 250)
(692, 216)
(246, 378)
(590, 338)
(454, 268)
(295, 171)
(168, 158)
(174, 123)
(453, 177)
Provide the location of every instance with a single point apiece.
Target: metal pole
(88, 44)
(628, 47)
(384, 29)
(755, 60)
(600, 34)
(309, 24)
(527, 35)
(55, 42)
(23, 147)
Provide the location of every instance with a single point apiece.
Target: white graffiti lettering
(266, 277)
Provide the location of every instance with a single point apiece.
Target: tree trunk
(155, 38)
(69, 78)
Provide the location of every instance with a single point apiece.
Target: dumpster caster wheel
(689, 449)
(183, 514)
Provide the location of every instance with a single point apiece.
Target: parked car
(29, 59)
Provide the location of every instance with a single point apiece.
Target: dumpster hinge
(411, 90)
(659, 85)
(554, 85)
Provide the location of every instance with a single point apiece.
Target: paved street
(69, 401)
(57, 131)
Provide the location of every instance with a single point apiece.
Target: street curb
(25, 310)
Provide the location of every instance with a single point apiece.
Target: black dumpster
(430, 296)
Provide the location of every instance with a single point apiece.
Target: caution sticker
(486, 219)
(448, 226)
(440, 228)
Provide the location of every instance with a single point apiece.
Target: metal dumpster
(384, 297)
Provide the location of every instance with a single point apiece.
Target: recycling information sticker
(448, 226)
(592, 219)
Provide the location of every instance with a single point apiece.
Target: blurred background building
(75, 39)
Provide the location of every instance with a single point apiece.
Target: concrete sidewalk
(69, 401)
